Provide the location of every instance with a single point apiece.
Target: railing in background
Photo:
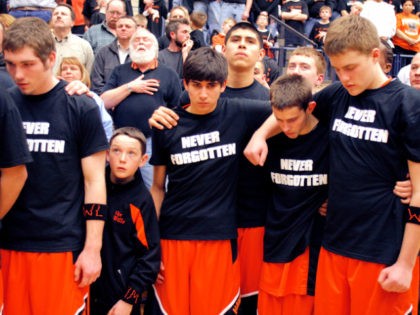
(281, 58)
(281, 53)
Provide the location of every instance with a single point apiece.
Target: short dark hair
(131, 132)
(173, 26)
(413, 2)
(289, 91)
(244, 26)
(205, 64)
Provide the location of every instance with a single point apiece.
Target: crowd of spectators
(396, 20)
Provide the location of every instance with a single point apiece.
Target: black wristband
(413, 215)
(94, 211)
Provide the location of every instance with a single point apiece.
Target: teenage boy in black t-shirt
(243, 48)
(368, 263)
(197, 213)
(52, 237)
(299, 182)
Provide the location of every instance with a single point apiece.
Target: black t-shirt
(253, 186)
(13, 147)
(201, 156)
(318, 31)
(372, 136)
(61, 130)
(298, 169)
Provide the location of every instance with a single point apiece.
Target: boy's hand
(77, 87)
(87, 267)
(404, 190)
(163, 117)
(256, 150)
(121, 308)
(323, 209)
(161, 275)
(395, 278)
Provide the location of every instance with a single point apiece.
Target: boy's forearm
(411, 241)
(158, 194)
(269, 128)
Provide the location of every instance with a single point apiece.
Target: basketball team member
(52, 237)
(368, 263)
(299, 176)
(197, 224)
(243, 48)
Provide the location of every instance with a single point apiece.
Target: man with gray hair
(103, 34)
(135, 90)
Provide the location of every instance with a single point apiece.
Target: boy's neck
(325, 21)
(121, 181)
(311, 124)
(194, 109)
(240, 78)
(262, 29)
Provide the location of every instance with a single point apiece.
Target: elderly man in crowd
(103, 34)
(135, 90)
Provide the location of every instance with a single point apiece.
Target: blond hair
(75, 61)
(351, 32)
(310, 52)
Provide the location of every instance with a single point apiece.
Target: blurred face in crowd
(415, 72)
(304, 66)
(125, 28)
(70, 72)
(182, 34)
(61, 18)
(114, 11)
(177, 14)
(408, 7)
